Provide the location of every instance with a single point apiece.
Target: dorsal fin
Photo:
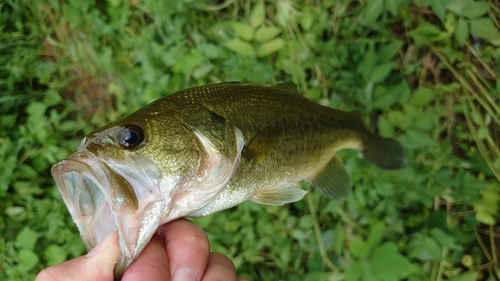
(261, 144)
(332, 180)
(288, 87)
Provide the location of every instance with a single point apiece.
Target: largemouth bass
(206, 149)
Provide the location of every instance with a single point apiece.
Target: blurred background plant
(425, 72)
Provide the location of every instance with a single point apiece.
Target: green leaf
(372, 12)
(243, 30)
(240, 47)
(426, 34)
(270, 47)
(461, 31)
(258, 15)
(423, 247)
(306, 19)
(359, 247)
(388, 51)
(475, 9)
(457, 6)
(375, 236)
(385, 127)
(353, 272)
(439, 9)
(484, 28)
(465, 276)
(422, 96)
(392, 6)
(266, 33)
(380, 72)
(388, 264)
(27, 260)
(26, 239)
(55, 254)
(290, 67)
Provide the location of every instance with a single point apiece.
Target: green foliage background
(425, 72)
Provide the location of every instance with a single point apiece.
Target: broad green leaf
(475, 9)
(52, 98)
(202, 70)
(389, 264)
(392, 6)
(359, 248)
(306, 221)
(426, 34)
(388, 51)
(423, 247)
(375, 236)
(14, 211)
(444, 238)
(385, 127)
(240, 47)
(306, 19)
(258, 15)
(485, 217)
(461, 31)
(415, 139)
(380, 72)
(372, 11)
(243, 30)
(484, 28)
(266, 33)
(439, 9)
(353, 272)
(292, 68)
(422, 96)
(270, 47)
(457, 6)
(465, 276)
(26, 239)
(55, 254)
(36, 110)
(27, 260)
(367, 64)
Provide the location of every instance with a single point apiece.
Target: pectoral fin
(261, 144)
(278, 195)
(333, 180)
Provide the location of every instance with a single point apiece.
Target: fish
(205, 149)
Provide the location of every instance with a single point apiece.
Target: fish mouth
(103, 196)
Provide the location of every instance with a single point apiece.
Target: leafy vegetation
(425, 72)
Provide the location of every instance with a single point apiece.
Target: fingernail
(185, 274)
(101, 246)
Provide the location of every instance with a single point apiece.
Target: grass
(425, 72)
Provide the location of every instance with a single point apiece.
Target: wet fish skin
(205, 149)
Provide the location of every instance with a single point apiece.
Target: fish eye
(130, 136)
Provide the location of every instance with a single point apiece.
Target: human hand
(180, 251)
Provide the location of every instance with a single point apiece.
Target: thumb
(98, 264)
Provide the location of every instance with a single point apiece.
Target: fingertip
(220, 268)
(152, 264)
(98, 264)
(187, 246)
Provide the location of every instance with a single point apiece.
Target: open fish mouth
(103, 197)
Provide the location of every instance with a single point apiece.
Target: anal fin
(278, 195)
(332, 180)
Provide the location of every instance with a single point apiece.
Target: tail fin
(386, 153)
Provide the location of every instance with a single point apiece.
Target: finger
(187, 249)
(152, 264)
(219, 268)
(98, 264)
